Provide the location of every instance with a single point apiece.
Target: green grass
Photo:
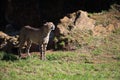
(59, 65)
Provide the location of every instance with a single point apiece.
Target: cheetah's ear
(46, 24)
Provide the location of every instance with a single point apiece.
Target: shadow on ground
(9, 57)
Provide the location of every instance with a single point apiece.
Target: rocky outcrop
(7, 43)
(74, 27)
(79, 20)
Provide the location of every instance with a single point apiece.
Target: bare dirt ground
(102, 58)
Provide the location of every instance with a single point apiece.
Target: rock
(83, 22)
(65, 20)
(61, 29)
(7, 43)
(98, 30)
(74, 27)
(110, 28)
(3, 39)
(79, 20)
(72, 23)
(3, 35)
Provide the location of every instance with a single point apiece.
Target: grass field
(90, 62)
(60, 66)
